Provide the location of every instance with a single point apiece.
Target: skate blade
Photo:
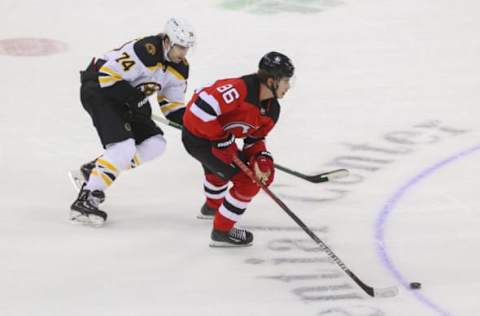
(90, 220)
(76, 178)
(202, 216)
(223, 244)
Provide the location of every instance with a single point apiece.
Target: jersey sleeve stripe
(104, 81)
(210, 101)
(110, 72)
(175, 73)
(201, 114)
(206, 107)
(107, 77)
(170, 107)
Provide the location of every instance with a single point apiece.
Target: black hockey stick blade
(373, 292)
(327, 176)
(317, 178)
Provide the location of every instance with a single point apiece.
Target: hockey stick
(163, 120)
(321, 177)
(374, 292)
(317, 178)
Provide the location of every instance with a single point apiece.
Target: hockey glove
(138, 107)
(262, 166)
(225, 149)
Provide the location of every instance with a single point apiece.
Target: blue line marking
(389, 207)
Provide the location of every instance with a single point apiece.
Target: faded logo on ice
(28, 47)
(279, 6)
(299, 265)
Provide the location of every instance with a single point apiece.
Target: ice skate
(235, 237)
(206, 212)
(85, 208)
(80, 176)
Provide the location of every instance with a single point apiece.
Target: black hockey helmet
(275, 65)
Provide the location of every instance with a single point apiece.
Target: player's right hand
(136, 101)
(225, 148)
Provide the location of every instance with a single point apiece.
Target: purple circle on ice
(390, 206)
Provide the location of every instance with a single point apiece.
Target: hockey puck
(415, 285)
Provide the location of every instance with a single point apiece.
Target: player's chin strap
(273, 88)
(166, 51)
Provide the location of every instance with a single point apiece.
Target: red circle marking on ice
(31, 47)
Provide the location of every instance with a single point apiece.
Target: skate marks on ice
(279, 6)
(308, 273)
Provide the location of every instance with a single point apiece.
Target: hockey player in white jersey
(114, 91)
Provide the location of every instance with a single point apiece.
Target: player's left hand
(262, 165)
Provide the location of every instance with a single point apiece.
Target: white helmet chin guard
(180, 32)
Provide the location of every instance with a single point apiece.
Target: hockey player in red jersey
(238, 108)
(114, 91)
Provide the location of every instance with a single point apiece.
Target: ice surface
(388, 89)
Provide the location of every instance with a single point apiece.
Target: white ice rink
(388, 89)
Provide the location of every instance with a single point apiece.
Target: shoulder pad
(181, 69)
(149, 50)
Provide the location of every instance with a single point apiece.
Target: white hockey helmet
(180, 32)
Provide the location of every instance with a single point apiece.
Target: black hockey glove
(138, 107)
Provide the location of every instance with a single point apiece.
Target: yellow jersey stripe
(175, 73)
(107, 164)
(171, 106)
(136, 158)
(112, 73)
(105, 80)
(153, 68)
(106, 179)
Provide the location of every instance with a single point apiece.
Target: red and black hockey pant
(230, 203)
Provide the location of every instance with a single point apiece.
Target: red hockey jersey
(232, 106)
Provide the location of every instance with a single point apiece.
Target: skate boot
(87, 168)
(85, 208)
(206, 212)
(235, 237)
(81, 175)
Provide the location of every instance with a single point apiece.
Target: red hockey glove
(225, 149)
(262, 165)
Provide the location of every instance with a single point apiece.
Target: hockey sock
(230, 211)
(103, 175)
(116, 158)
(214, 188)
(135, 162)
(149, 149)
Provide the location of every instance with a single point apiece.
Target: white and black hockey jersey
(142, 64)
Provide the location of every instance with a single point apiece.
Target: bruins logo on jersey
(149, 88)
(151, 49)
